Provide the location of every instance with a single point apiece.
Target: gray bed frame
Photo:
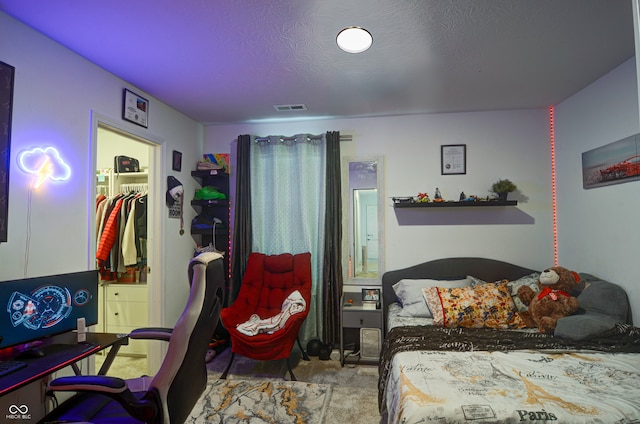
(449, 268)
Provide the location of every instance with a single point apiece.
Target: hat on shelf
(174, 190)
(206, 165)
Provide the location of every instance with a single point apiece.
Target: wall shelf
(409, 204)
(211, 203)
(203, 173)
(203, 231)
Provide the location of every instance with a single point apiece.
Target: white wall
(113, 144)
(512, 144)
(598, 228)
(55, 91)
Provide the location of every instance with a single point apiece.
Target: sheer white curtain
(288, 196)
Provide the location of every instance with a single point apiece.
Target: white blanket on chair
(293, 304)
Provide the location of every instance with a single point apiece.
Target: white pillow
(409, 294)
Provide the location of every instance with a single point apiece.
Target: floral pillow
(488, 305)
(409, 294)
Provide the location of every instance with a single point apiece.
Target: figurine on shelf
(438, 197)
(462, 196)
(423, 198)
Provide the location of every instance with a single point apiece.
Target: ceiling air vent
(286, 108)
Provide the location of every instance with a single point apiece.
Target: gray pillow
(583, 326)
(604, 298)
(602, 304)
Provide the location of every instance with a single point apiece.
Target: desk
(62, 351)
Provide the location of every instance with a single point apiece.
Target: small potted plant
(502, 188)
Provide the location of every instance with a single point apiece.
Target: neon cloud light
(44, 163)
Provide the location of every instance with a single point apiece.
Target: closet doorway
(124, 170)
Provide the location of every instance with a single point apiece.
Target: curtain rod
(309, 138)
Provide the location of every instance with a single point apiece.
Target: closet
(121, 235)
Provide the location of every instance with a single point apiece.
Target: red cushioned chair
(267, 282)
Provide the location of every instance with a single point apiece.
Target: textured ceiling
(232, 61)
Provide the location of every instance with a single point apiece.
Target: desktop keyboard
(7, 367)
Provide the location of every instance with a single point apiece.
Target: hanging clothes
(141, 228)
(109, 232)
(121, 231)
(130, 254)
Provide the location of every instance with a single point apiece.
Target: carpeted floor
(350, 392)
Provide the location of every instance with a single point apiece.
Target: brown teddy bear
(553, 301)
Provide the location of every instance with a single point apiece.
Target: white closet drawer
(127, 292)
(127, 314)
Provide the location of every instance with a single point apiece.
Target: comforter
(451, 375)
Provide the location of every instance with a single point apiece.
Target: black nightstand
(352, 319)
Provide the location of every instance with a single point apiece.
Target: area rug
(261, 401)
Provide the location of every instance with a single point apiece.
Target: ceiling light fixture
(354, 39)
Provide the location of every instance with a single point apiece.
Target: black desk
(62, 351)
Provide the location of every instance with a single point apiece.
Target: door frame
(155, 242)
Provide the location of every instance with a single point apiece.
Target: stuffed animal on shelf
(553, 301)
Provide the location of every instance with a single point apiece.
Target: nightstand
(353, 317)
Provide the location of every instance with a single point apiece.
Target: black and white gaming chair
(173, 392)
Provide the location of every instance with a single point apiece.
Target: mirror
(363, 204)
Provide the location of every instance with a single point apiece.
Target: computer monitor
(34, 308)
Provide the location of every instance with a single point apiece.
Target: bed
(444, 361)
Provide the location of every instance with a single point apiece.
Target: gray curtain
(242, 218)
(332, 265)
(332, 282)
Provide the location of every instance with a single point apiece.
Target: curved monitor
(34, 308)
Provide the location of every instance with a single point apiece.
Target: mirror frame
(347, 221)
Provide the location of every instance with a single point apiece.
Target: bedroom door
(110, 138)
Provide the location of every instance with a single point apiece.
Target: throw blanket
(293, 304)
(622, 338)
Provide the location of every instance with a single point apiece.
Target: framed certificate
(453, 159)
(135, 108)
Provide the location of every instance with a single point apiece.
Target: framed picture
(177, 161)
(613, 163)
(135, 108)
(453, 159)
(371, 295)
(6, 108)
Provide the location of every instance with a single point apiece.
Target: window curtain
(242, 216)
(332, 267)
(288, 198)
